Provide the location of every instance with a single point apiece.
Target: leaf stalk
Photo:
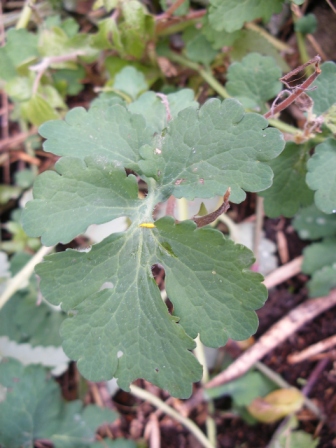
(189, 424)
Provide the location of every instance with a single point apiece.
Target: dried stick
(297, 91)
(275, 336)
(170, 11)
(314, 349)
(283, 273)
(208, 219)
(331, 6)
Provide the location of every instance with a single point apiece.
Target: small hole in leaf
(106, 285)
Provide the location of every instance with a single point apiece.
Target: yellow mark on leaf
(147, 225)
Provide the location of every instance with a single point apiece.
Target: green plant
(172, 146)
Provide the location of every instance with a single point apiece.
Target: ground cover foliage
(142, 110)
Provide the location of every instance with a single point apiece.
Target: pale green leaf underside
(320, 262)
(318, 255)
(324, 95)
(254, 79)
(34, 409)
(322, 281)
(204, 152)
(80, 193)
(313, 224)
(289, 190)
(321, 175)
(118, 309)
(230, 15)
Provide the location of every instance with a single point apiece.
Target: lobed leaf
(322, 281)
(113, 133)
(289, 190)
(321, 175)
(117, 308)
(324, 95)
(318, 255)
(231, 15)
(204, 152)
(254, 80)
(33, 409)
(80, 193)
(312, 224)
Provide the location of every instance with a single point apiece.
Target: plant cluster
(144, 130)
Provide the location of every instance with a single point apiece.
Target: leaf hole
(120, 354)
(106, 285)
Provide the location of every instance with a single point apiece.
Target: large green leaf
(117, 308)
(230, 15)
(289, 190)
(321, 175)
(120, 326)
(204, 152)
(254, 80)
(112, 133)
(34, 409)
(80, 193)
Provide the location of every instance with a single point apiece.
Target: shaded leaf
(289, 438)
(254, 80)
(318, 255)
(306, 24)
(250, 41)
(289, 190)
(197, 47)
(243, 390)
(33, 409)
(231, 15)
(276, 405)
(37, 110)
(312, 224)
(322, 281)
(324, 95)
(130, 81)
(321, 175)
(218, 39)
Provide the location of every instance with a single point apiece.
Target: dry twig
(274, 336)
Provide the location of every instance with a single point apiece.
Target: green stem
(25, 14)
(210, 422)
(182, 205)
(304, 56)
(278, 44)
(284, 127)
(15, 283)
(190, 425)
(206, 74)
